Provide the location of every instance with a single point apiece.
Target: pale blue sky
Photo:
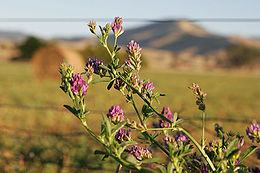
(151, 9)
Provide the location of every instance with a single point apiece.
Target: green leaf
(152, 160)
(104, 67)
(231, 146)
(132, 159)
(72, 110)
(234, 152)
(248, 152)
(162, 168)
(110, 84)
(175, 116)
(170, 167)
(117, 127)
(179, 121)
(100, 152)
(107, 125)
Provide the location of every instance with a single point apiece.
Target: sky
(149, 9)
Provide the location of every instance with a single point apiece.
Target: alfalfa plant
(183, 152)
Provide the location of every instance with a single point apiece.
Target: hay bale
(47, 60)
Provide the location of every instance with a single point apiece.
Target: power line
(141, 20)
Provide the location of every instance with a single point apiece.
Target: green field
(47, 139)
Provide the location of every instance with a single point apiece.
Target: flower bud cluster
(116, 114)
(78, 85)
(200, 95)
(92, 27)
(66, 72)
(253, 132)
(123, 135)
(167, 113)
(117, 26)
(141, 153)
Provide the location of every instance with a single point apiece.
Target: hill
(176, 37)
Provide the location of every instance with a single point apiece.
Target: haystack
(46, 61)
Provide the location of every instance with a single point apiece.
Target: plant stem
(148, 134)
(199, 148)
(203, 129)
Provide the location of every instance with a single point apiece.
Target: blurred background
(213, 43)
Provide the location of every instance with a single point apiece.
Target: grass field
(31, 140)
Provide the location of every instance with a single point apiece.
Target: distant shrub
(28, 47)
(241, 55)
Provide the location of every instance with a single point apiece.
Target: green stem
(145, 100)
(199, 148)
(146, 133)
(203, 129)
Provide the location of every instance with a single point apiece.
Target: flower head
(167, 113)
(95, 64)
(123, 135)
(253, 132)
(116, 114)
(117, 26)
(134, 49)
(181, 137)
(134, 61)
(147, 88)
(141, 153)
(78, 85)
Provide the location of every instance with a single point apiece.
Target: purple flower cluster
(167, 113)
(134, 61)
(123, 135)
(181, 137)
(134, 49)
(147, 88)
(253, 132)
(117, 26)
(116, 114)
(141, 153)
(78, 85)
(94, 63)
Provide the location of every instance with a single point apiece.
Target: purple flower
(95, 64)
(147, 88)
(117, 26)
(78, 85)
(134, 49)
(116, 114)
(123, 135)
(167, 113)
(181, 137)
(253, 132)
(141, 153)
